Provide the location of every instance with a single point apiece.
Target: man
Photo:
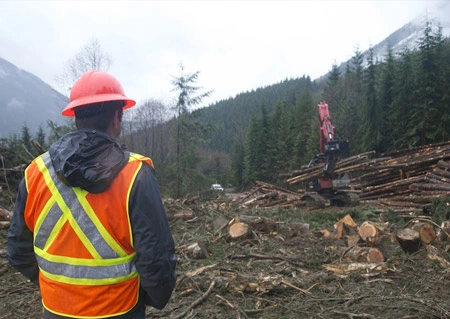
(89, 226)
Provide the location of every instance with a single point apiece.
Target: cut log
(365, 254)
(239, 230)
(346, 226)
(441, 172)
(409, 240)
(429, 186)
(386, 243)
(444, 165)
(368, 231)
(347, 219)
(185, 214)
(426, 232)
(343, 269)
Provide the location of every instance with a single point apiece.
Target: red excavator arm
(330, 150)
(326, 128)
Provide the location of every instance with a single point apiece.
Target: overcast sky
(236, 46)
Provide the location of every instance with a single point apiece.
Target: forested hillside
(231, 117)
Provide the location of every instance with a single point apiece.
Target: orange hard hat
(95, 87)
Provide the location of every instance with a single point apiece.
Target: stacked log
(409, 178)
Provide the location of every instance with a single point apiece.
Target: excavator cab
(333, 152)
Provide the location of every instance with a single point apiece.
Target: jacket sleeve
(153, 241)
(20, 252)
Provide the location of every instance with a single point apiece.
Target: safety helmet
(95, 87)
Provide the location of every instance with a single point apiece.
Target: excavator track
(313, 199)
(340, 199)
(344, 199)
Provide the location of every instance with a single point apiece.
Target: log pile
(407, 178)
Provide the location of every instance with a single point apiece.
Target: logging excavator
(329, 187)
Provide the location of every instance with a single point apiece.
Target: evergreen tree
(426, 115)
(256, 163)
(332, 93)
(372, 118)
(281, 141)
(348, 118)
(403, 103)
(271, 159)
(286, 159)
(57, 131)
(189, 131)
(305, 120)
(25, 141)
(40, 139)
(237, 164)
(253, 157)
(386, 99)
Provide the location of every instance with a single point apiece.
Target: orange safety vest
(83, 242)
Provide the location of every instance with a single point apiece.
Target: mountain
(407, 36)
(26, 100)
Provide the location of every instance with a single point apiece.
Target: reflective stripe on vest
(110, 263)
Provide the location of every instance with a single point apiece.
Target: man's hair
(98, 115)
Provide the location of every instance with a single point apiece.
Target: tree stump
(368, 231)
(345, 227)
(197, 251)
(291, 230)
(365, 254)
(409, 240)
(239, 230)
(426, 232)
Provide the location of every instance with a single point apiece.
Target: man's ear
(116, 119)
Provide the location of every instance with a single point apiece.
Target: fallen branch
(198, 301)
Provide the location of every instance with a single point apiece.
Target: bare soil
(271, 275)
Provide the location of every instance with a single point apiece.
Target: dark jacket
(91, 160)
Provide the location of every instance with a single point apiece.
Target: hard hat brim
(69, 109)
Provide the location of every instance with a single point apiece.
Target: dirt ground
(273, 275)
